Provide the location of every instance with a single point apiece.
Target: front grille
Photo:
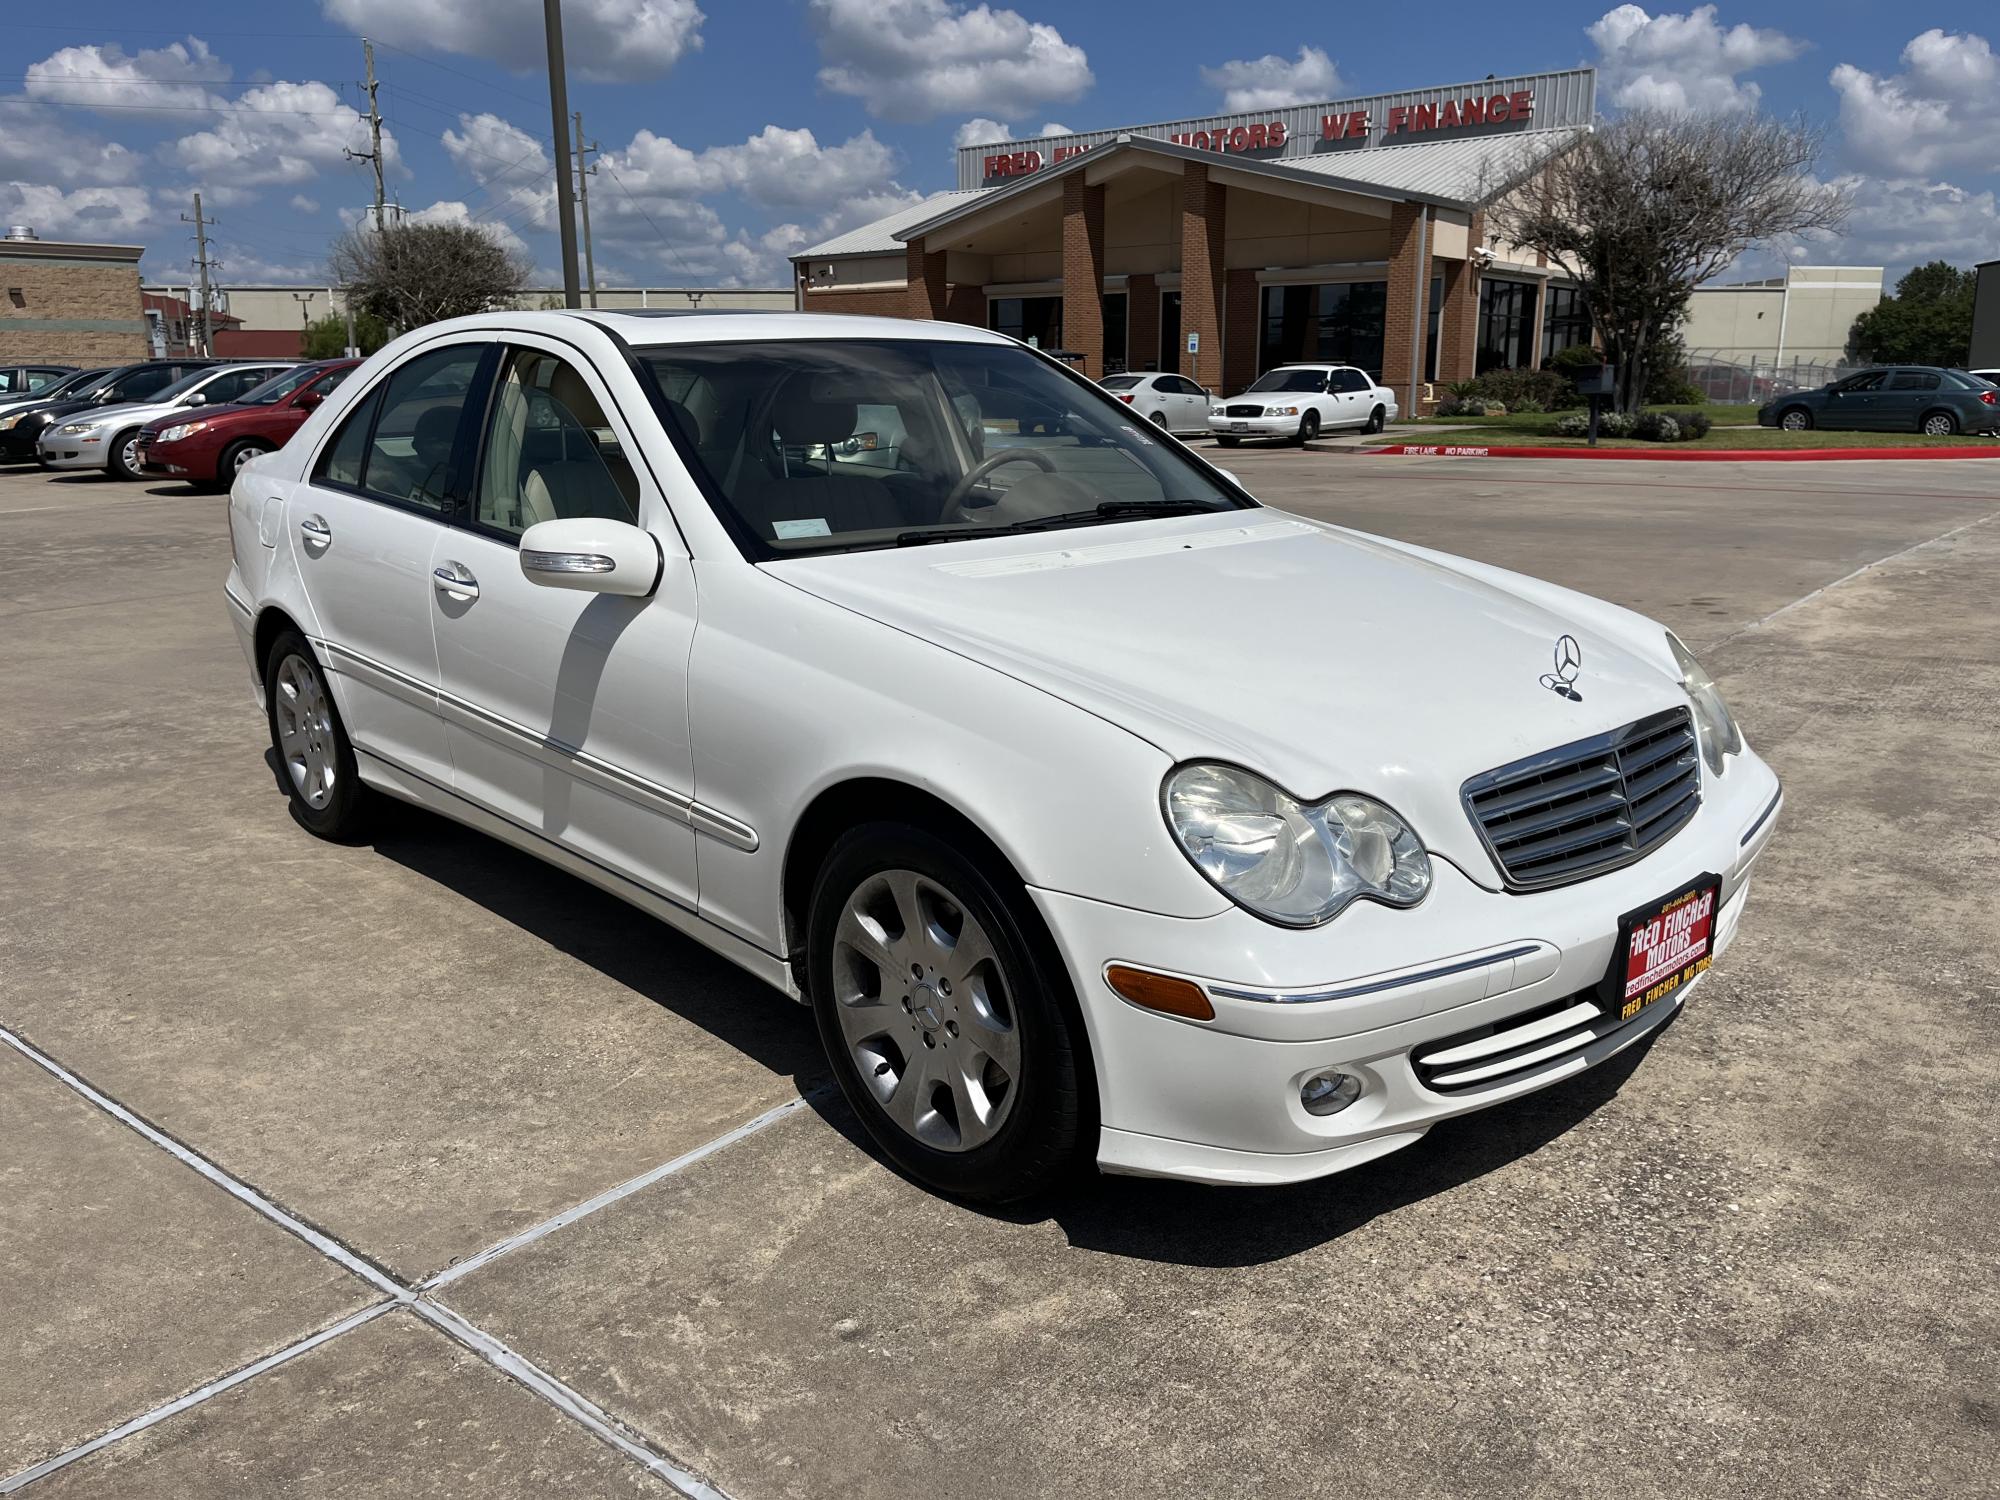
(1504, 1051)
(1243, 411)
(1581, 809)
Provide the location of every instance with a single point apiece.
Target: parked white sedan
(1299, 402)
(1096, 810)
(107, 437)
(1164, 399)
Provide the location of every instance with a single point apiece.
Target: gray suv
(1897, 398)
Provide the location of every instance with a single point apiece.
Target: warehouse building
(1352, 231)
(68, 302)
(1801, 318)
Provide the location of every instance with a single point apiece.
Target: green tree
(412, 274)
(1927, 322)
(327, 339)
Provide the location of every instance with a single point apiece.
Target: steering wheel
(986, 466)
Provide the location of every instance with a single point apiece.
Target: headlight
(1292, 862)
(1720, 738)
(7, 422)
(184, 429)
(75, 427)
(1281, 411)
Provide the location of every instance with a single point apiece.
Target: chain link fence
(1723, 377)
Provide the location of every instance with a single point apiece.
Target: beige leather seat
(844, 499)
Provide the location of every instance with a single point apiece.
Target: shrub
(1694, 424)
(1549, 390)
(1575, 357)
(1613, 424)
(1657, 427)
(1527, 406)
(1573, 424)
(1462, 406)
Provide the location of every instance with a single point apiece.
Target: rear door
(1189, 408)
(364, 529)
(567, 711)
(1906, 396)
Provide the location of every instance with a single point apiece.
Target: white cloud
(166, 79)
(610, 40)
(917, 59)
(1271, 82)
(304, 204)
(36, 141)
(980, 131)
(1684, 62)
(1942, 111)
(277, 132)
(1903, 222)
(453, 211)
(116, 215)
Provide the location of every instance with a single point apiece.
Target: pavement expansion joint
(417, 1299)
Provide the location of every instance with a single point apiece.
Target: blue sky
(736, 132)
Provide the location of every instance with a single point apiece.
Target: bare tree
(411, 274)
(1646, 208)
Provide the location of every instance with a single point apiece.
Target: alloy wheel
(1795, 421)
(925, 1011)
(243, 456)
(1937, 424)
(305, 731)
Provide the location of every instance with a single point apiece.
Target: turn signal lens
(1991, 398)
(1126, 399)
(1161, 992)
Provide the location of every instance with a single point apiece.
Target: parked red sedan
(208, 447)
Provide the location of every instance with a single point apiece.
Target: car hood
(1324, 659)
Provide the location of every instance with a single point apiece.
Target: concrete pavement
(1755, 1257)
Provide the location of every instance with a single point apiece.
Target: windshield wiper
(1109, 510)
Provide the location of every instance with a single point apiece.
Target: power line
(674, 249)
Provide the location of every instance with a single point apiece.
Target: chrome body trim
(1350, 989)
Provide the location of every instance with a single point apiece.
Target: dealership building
(1352, 231)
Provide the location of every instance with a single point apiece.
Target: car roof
(660, 326)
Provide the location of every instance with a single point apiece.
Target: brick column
(1458, 338)
(1202, 224)
(1407, 317)
(1083, 272)
(1142, 321)
(966, 304)
(1241, 334)
(925, 274)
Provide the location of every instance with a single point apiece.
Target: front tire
(1308, 428)
(1938, 424)
(315, 757)
(123, 461)
(234, 457)
(945, 1013)
(1227, 442)
(1796, 419)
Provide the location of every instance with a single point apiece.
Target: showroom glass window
(1565, 322)
(1340, 322)
(1114, 332)
(1436, 329)
(1506, 325)
(1033, 320)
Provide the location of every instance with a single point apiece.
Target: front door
(566, 711)
(364, 530)
(1854, 402)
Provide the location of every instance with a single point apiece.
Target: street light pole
(565, 187)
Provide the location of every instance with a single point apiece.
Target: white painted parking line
(611, 1195)
(516, 1366)
(159, 1414)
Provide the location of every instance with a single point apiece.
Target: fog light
(1329, 1093)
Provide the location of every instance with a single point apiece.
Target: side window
(1350, 380)
(39, 379)
(226, 388)
(550, 453)
(142, 383)
(341, 461)
(1914, 380)
(1871, 380)
(410, 451)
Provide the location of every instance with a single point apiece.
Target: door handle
(315, 529)
(456, 579)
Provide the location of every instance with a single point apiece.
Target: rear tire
(1160, 420)
(1938, 424)
(315, 757)
(1377, 420)
(123, 460)
(946, 1014)
(1308, 428)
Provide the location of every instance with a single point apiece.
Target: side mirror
(591, 555)
(197, 399)
(307, 399)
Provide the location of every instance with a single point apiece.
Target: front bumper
(1254, 427)
(78, 450)
(1219, 1101)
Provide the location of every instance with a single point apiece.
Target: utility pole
(201, 228)
(583, 176)
(374, 152)
(559, 113)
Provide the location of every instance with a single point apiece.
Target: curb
(1665, 452)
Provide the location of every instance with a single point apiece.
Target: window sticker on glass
(787, 531)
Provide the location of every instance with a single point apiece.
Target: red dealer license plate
(1662, 946)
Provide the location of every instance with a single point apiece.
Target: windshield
(278, 387)
(833, 445)
(70, 385)
(1289, 380)
(180, 387)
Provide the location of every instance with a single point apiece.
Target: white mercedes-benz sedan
(1096, 810)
